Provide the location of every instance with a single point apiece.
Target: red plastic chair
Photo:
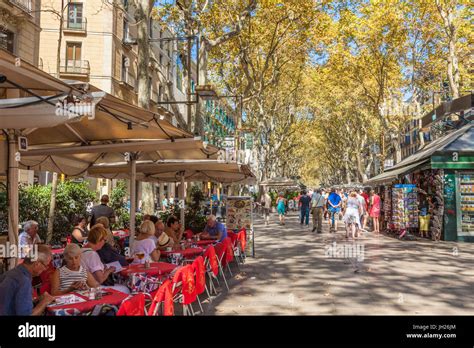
(184, 288)
(221, 250)
(239, 252)
(133, 306)
(212, 267)
(233, 236)
(200, 278)
(162, 297)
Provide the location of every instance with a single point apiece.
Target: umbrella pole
(182, 194)
(13, 194)
(133, 198)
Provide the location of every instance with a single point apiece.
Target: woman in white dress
(352, 214)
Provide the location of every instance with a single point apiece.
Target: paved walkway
(293, 274)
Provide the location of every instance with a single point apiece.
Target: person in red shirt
(366, 212)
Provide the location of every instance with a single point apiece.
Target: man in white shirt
(28, 237)
(267, 204)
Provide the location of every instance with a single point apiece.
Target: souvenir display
(404, 206)
(436, 226)
(466, 189)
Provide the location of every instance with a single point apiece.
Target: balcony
(129, 80)
(74, 67)
(75, 26)
(129, 41)
(25, 5)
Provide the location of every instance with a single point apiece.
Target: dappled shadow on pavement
(293, 274)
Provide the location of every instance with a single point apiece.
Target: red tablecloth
(121, 234)
(57, 251)
(190, 252)
(114, 298)
(206, 242)
(156, 268)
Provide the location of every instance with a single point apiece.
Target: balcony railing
(128, 40)
(75, 24)
(23, 4)
(74, 67)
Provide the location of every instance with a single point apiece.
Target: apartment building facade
(99, 46)
(20, 28)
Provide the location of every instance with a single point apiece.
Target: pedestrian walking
(325, 194)
(317, 206)
(352, 215)
(305, 201)
(374, 211)
(267, 205)
(281, 202)
(364, 194)
(364, 214)
(334, 207)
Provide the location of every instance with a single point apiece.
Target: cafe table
(84, 304)
(156, 269)
(187, 253)
(206, 242)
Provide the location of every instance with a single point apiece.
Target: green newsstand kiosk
(457, 161)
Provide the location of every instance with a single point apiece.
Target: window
(151, 28)
(7, 39)
(125, 4)
(126, 33)
(161, 60)
(73, 54)
(75, 17)
(160, 92)
(125, 64)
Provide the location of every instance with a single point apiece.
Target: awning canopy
(459, 139)
(171, 171)
(280, 181)
(76, 160)
(389, 176)
(457, 155)
(21, 73)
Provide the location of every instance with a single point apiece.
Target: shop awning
(457, 155)
(389, 176)
(460, 139)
